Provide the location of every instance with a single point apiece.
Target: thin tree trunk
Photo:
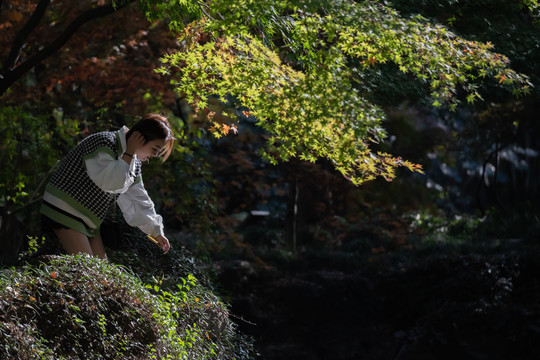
(292, 214)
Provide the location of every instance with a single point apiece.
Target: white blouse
(116, 176)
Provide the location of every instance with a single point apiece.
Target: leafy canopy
(301, 68)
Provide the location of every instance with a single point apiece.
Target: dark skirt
(48, 224)
(60, 219)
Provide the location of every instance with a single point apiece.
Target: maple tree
(303, 70)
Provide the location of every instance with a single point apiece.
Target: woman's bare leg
(74, 242)
(96, 243)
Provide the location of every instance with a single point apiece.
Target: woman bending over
(106, 167)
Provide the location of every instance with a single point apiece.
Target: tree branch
(9, 76)
(23, 34)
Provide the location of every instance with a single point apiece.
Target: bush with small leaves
(74, 307)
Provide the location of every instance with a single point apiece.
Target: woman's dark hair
(152, 127)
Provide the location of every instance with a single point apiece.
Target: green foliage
(301, 70)
(26, 152)
(35, 243)
(534, 8)
(175, 12)
(286, 102)
(513, 28)
(75, 307)
(183, 280)
(82, 307)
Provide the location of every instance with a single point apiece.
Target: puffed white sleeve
(109, 174)
(139, 211)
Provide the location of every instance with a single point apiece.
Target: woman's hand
(135, 142)
(163, 243)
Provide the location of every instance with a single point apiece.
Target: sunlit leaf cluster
(299, 67)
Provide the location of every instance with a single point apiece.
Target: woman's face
(151, 149)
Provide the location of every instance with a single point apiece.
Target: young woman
(106, 167)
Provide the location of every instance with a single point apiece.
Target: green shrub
(80, 307)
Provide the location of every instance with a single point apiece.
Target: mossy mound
(80, 307)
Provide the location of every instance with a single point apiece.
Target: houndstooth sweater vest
(72, 183)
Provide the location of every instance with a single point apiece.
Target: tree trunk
(292, 214)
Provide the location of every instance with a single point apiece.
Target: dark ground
(441, 305)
